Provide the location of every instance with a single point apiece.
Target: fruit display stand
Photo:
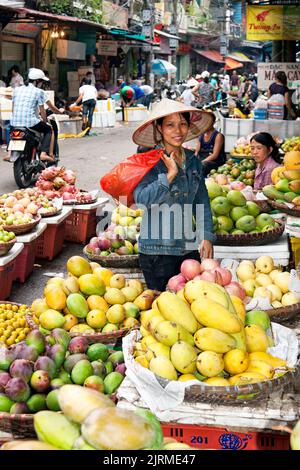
(25, 261)
(50, 242)
(7, 267)
(279, 250)
(233, 129)
(81, 223)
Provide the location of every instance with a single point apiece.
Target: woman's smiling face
(174, 130)
(259, 151)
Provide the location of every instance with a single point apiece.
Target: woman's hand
(171, 166)
(206, 249)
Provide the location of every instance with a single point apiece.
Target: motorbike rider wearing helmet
(29, 111)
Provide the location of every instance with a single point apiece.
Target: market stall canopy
(166, 35)
(239, 56)
(162, 67)
(231, 64)
(213, 55)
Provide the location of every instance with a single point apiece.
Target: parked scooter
(24, 146)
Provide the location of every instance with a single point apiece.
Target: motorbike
(24, 146)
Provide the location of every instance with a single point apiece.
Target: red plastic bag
(121, 181)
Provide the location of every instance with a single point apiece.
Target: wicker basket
(282, 314)
(253, 239)
(284, 208)
(106, 338)
(19, 426)
(49, 214)
(120, 261)
(19, 229)
(5, 247)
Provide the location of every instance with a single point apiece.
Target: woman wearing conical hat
(177, 222)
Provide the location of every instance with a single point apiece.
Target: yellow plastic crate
(295, 244)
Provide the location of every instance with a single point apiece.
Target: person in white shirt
(16, 78)
(187, 97)
(88, 95)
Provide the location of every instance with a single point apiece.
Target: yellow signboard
(277, 22)
(264, 23)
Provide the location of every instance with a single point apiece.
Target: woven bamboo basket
(5, 247)
(25, 228)
(282, 314)
(251, 239)
(44, 213)
(119, 261)
(295, 211)
(106, 338)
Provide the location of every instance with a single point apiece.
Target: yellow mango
(199, 289)
(180, 294)
(209, 363)
(144, 300)
(144, 332)
(263, 356)
(183, 357)
(236, 361)
(246, 378)
(148, 340)
(186, 377)
(142, 360)
(56, 298)
(169, 333)
(154, 322)
(146, 317)
(211, 339)
(214, 315)
(163, 367)
(174, 309)
(262, 368)
(239, 307)
(159, 349)
(256, 339)
(217, 382)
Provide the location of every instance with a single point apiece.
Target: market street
(90, 157)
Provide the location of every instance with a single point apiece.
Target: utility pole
(148, 30)
(173, 30)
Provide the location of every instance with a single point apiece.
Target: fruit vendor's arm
(195, 91)
(202, 198)
(216, 150)
(153, 189)
(198, 147)
(288, 104)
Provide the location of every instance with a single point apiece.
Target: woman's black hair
(281, 77)
(186, 116)
(264, 138)
(86, 81)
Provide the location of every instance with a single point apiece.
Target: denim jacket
(177, 216)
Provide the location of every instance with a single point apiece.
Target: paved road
(91, 157)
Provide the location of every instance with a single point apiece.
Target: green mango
(77, 305)
(37, 402)
(112, 381)
(81, 371)
(55, 429)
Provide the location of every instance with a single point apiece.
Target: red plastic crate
(207, 437)
(6, 279)
(25, 262)
(50, 243)
(81, 226)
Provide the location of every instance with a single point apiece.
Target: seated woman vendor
(210, 148)
(265, 153)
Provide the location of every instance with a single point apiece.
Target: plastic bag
(121, 181)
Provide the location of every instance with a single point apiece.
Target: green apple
(246, 223)
(253, 208)
(222, 232)
(225, 223)
(236, 198)
(264, 219)
(237, 212)
(237, 232)
(221, 205)
(258, 317)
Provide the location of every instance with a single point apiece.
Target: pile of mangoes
(91, 299)
(94, 425)
(32, 371)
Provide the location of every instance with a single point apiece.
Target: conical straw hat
(147, 134)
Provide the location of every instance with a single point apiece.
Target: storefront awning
(239, 57)
(166, 35)
(28, 15)
(126, 34)
(231, 64)
(215, 56)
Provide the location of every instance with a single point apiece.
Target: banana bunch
(203, 333)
